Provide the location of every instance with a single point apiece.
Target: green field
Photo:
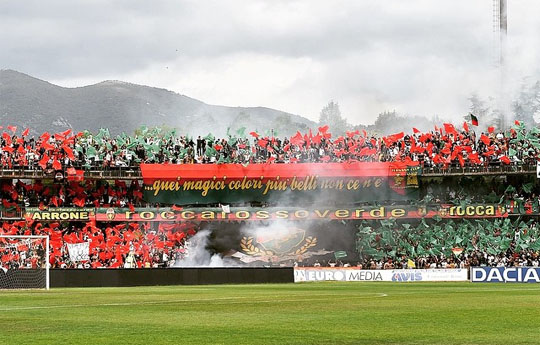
(308, 313)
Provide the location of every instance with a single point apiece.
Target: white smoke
(198, 254)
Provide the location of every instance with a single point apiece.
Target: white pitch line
(232, 300)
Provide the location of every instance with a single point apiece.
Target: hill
(123, 107)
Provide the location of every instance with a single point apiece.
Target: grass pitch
(308, 313)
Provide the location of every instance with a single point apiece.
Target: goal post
(24, 262)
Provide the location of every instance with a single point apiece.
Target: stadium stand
(100, 172)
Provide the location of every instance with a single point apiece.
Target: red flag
(473, 157)
(323, 129)
(254, 134)
(449, 128)
(517, 123)
(45, 136)
(485, 139)
(461, 160)
(26, 131)
(79, 202)
(307, 140)
(56, 164)
(465, 126)
(491, 129)
(7, 138)
(12, 128)
(297, 139)
(69, 152)
(415, 130)
(43, 162)
(8, 149)
(393, 138)
(47, 146)
(505, 160)
(54, 201)
(176, 208)
(262, 142)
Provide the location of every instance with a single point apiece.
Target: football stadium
(154, 237)
(253, 211)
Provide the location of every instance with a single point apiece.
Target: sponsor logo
(406, 276)
(364, 276)
(317, 274)
(505, 275)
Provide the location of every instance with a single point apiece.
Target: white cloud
(420, 57)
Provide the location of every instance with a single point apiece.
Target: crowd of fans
(161, 244)
(89, 193)
(126, 245)
(155, 245)
(440, 147)
(526, 258)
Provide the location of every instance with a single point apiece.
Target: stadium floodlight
(24, 262)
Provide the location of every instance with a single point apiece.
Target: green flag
(209, 137)
(340, 254)
(510, 189)
(91, 152)
(210, 151)
(527, 187)
(241, 132)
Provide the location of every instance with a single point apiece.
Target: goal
(24, 262)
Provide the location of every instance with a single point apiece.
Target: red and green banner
(304, 183)
(178, 214)
(298, 213)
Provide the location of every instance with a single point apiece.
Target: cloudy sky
(420, 57)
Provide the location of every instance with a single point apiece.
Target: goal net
(24, 262)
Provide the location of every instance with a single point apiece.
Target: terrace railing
(134, 173)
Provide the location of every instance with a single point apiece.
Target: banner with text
(60, 213)
(307, 274)
(299, 213)
(308, 183)
(505, 274)
(79, 251)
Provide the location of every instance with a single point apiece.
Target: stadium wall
(168, 276)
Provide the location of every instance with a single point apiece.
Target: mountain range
(32, 103)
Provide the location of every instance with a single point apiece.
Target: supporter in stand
(138, 245)
(439, 148)
(132, 245)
